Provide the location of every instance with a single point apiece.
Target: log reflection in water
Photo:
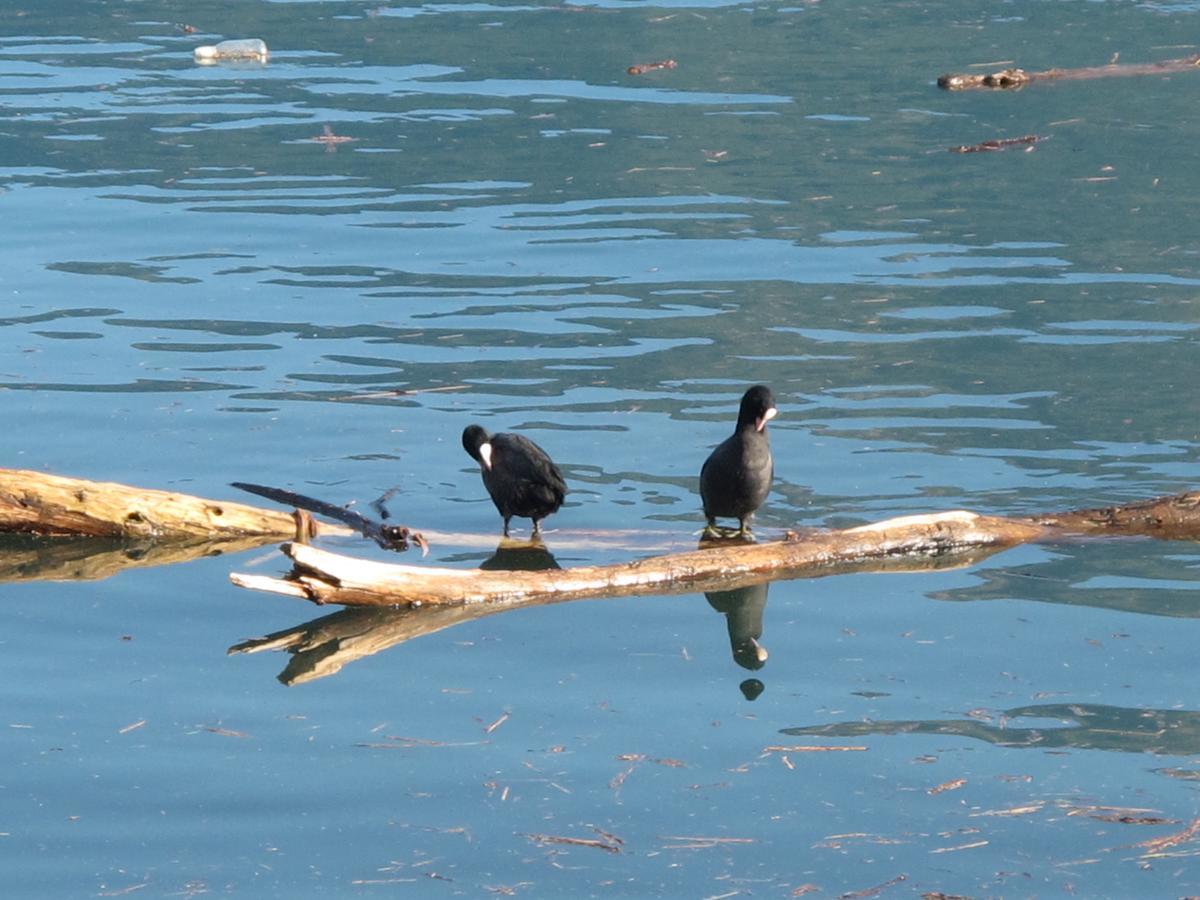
(25, 557)
(323, 646)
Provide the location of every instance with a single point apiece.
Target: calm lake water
(202, 285)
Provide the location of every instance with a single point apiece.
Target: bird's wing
(527, 462)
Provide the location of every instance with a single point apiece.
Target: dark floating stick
(1016, 78)
(389, 537)
(1027, 141)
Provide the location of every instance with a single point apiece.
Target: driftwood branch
(323, 577)
(35, 503)
(1017, 78)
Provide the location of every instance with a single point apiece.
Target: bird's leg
(537, 528)
(744, 528)
(506, 521)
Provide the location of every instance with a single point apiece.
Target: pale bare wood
(325, 577)
(328, 577)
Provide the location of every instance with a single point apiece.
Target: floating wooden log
(323, 577)
(37, 503)
(1017, 78)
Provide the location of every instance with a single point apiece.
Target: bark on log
(1016, 78)
(324, 577)
(37, 503)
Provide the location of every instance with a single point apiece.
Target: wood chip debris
(1129, 815)
(619, 779)
(121, 892)
(500, 721)
(225, 732)
(973, 845)
(1155, 846)
(1026, 140)
(873, 891)
(662, 760)
(398, 742)
(643, 68)
(694, 842)
(947, 786)
(608, 842)
(1013, 810)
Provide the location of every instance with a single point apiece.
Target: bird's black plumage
(736, 477)
(518, 474)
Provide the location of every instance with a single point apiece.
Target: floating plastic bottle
(245, 50)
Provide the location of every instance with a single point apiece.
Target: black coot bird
(736, 477)
(519, 475)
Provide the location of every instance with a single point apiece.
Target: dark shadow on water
(520, 556)
(1067, 726)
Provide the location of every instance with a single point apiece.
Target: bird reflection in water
(520, 556)
(743, 610)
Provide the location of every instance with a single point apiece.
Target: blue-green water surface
(314, 273)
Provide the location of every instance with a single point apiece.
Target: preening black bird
(736, 477)
(519, 475)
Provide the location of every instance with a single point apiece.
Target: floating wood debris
(643, 68)
(1027, 141)
(1017, 78)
